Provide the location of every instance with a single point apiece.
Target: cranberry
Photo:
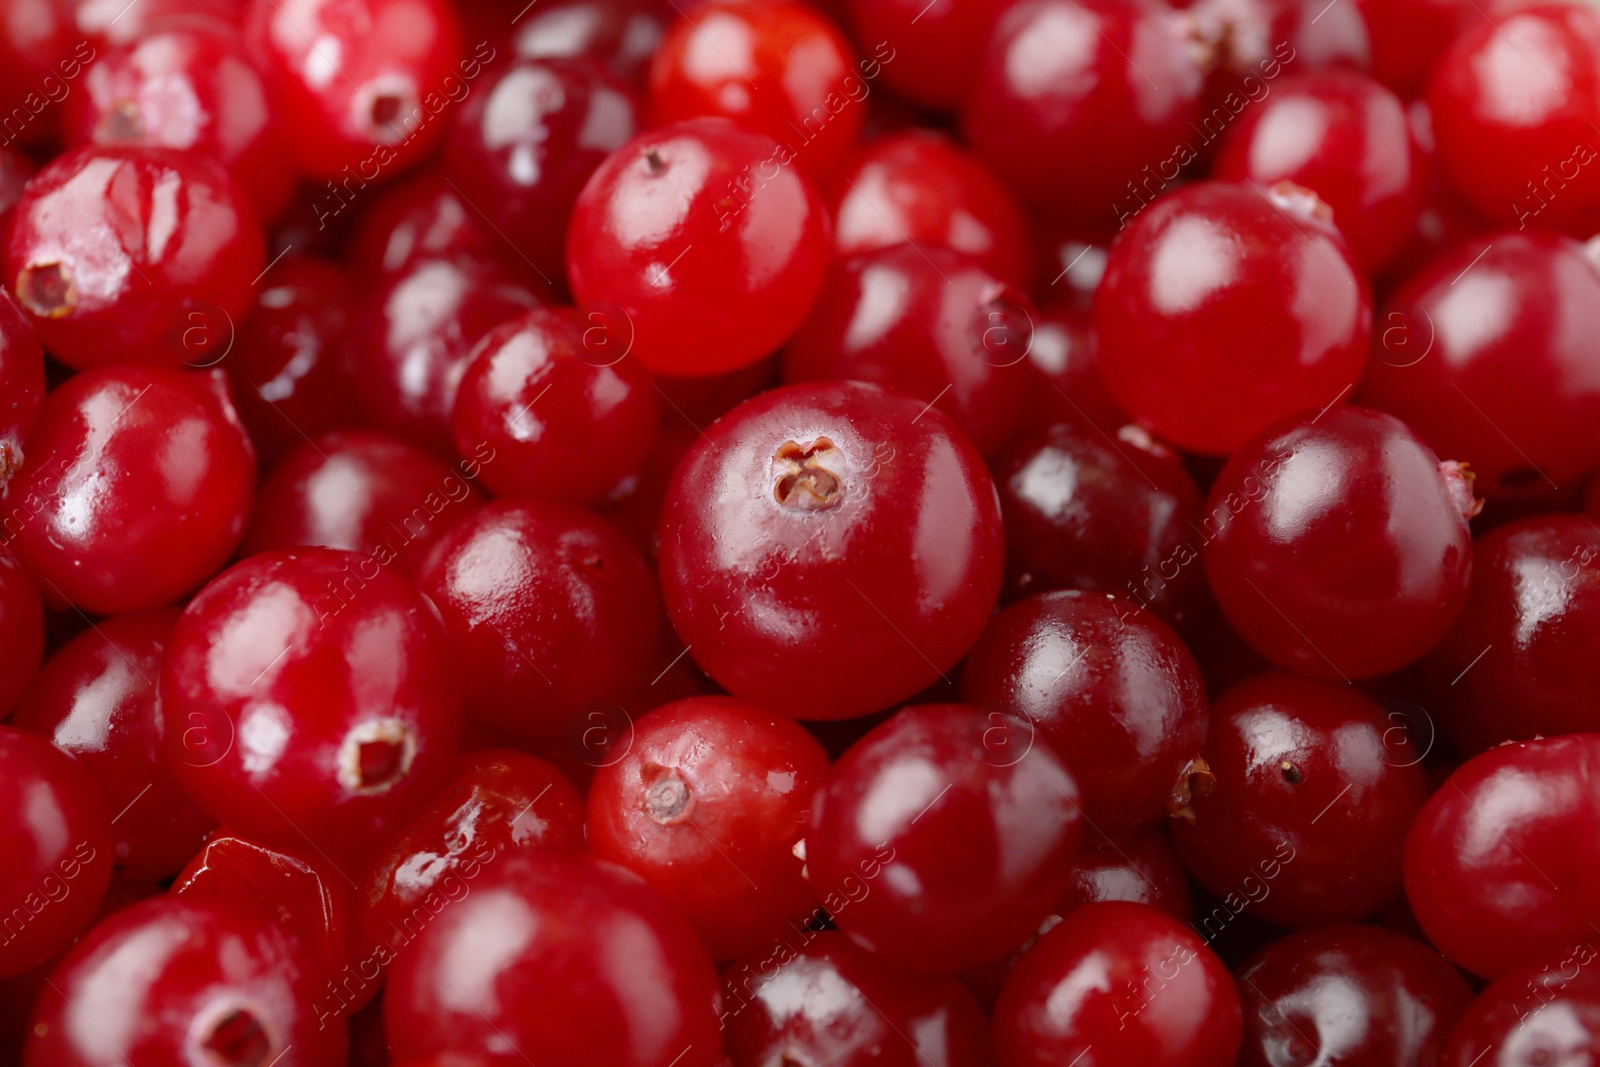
(1119, 983)
(1500, 864)
(1212, 263)
(1408, 36)
(285, 360)
(362, 83)
(852, 1010)
(1489, 354)
(16, 170)
(96, 698)
(1305, 809)
(1142, 869)
(619, 35)
(709, 805)
(777, 67)
(561, 957)
(838, 522)
(1338, 545)
(1527, 164)
(551, 614)
(1063, 351)
(111, 22)
(57, 840)
(171, 980)
(421, 219)
(364, 492)
(933, 53)
(1251, 42)
(21, 628)
(130, 254)
(1109, 685)
(527, 141)
(702, 249)
(919, 187)
(39, 57)
(362, 660)
(412, 338)
(1060, 75)
(960, 828)
(1348, 994)
(595, 426)
(191, 87)
(1544, 1012)
(136, 490)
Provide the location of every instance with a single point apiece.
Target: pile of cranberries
(800, 533)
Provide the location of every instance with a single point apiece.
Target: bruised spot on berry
(376, 756)
(123, 124)
(386, 109)
(238, 1039)
(808, 477)
(46, 289)
(667, 799)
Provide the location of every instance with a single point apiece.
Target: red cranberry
(1250, 43)
(929, 55)
(956, 829)
(412, 338)
(565, 417)
(1527, 162)
(709, 805)
(1210, 264)
(551, 614)
(1060, 75)
(834, 1003)
(189, 87)
(22, 386)
(619, 35)
(525, 143)
(420, 219)
(1408, 36)
(1119, 983)
(21, 628)
(1338, 545)
(1305, 810)
(96, 698)
(1544, 1012)
(361, 84)
(16, 170)
(1489, 354)
(285, 360)
(1500, 864)
(362, 660)
(1143, 869)
(136, 490)
(699, 245)
(1063, 352)
(841, 520)
(1348, 994)
(1518, 664)
(561, 957)
(1109, 685)
(40, 55)
(1087, 511)
(57, 840)
(111, 22)
(133, 255)
(919, 187)
(171, 980)
(363, 492)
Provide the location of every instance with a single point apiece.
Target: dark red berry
(21, 628)
(22, 386)
(1544, 1012)
(619, 35)
(929, 55)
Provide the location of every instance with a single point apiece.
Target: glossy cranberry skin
(136, 490)
(1108, 685)
(566, 417)
(1118, 983)
(550, 613)
(132, 254)
(1357, 995)
(1057, 75)
(708, 805)
(57, 837)
(1347, 139)
(420, 219)
(96, 699)
(702, 243)
(1087, 511)
(857, 1011)
(1488, 354)
(1544, 1012)
(846, 520)
(363, 661)
(1526, 164)
(936, 52)
(1501, 863)
(21, 629)
(21, 385)
(399, 64)
(619, 35)
(365, 492)
(174, 981)
(1408, 36)
(412, 338)
(191, 87)
(960, 824)
(527, 140)
(1063, 352)
(590, 968)
(1142, 869)
(1313, 787)
(1338, 545)
(285, 364)
(1206, 266)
